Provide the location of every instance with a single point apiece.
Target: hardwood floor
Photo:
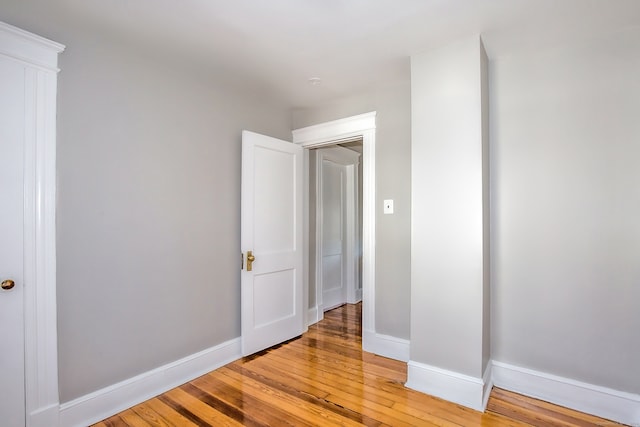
(324, 378)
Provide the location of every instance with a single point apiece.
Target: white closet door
(28, 324)
(12, 129)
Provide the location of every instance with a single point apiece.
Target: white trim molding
(600, 401)
(39, 57)
(101, 404)
(314, 316)
(386, 345)
(30, 49)
(363, 127)
(458, 388)
(335, 131)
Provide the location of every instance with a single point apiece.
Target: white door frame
(363, 127)
(349, 161)
(40, 58)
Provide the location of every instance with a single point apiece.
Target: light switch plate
(388, 206)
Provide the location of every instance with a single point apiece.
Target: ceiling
(351, 45)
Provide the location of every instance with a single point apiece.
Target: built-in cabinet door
(28, 324)
(12, 129)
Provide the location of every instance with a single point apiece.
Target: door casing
(360, 127)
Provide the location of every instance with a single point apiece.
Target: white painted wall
(148, 210)
(448, 192)
(565, 132)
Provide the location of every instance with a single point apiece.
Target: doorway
(361, 127)
(335, 219)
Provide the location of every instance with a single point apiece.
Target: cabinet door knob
(8, 284)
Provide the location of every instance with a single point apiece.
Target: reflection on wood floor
(324, 378)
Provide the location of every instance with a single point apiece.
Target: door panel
(274, 200)
(332, 275)
(12, 107)
(271, 227)
(279, 289)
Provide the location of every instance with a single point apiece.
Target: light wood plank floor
(324, 378)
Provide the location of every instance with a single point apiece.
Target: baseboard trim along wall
(43, 417)
(596, 400)
(313, 316)
(385, 345)
(110, 400)
(452, 386)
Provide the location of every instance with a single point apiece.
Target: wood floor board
(263, 412)
(327, 368)
(323, 360)
(172, 417)
(330, 385)
(197, 411)
(266, 390)
(152, 417)
(373, 388)
(349, 371)
(308, 385)
(523, 402)
(299, 404)
(133, 419)
(325, 379)
(115, 421)
(538, 412)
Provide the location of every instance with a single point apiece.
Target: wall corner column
(450, 345)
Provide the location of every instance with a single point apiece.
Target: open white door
(271, 241)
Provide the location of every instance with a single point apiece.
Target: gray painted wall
(565, 210)
(148, 210)
(393, 181)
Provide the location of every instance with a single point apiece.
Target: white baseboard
(487, 380)
(110, 400)
(462, 389)
(355, 296)
(600, 401)
(312, 316)
(385, 345)
(44, 417)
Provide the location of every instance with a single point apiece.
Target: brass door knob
(250, 259)
(8, 284)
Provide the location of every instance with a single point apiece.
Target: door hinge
(241, 261)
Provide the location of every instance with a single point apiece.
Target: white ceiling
(351, 45)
